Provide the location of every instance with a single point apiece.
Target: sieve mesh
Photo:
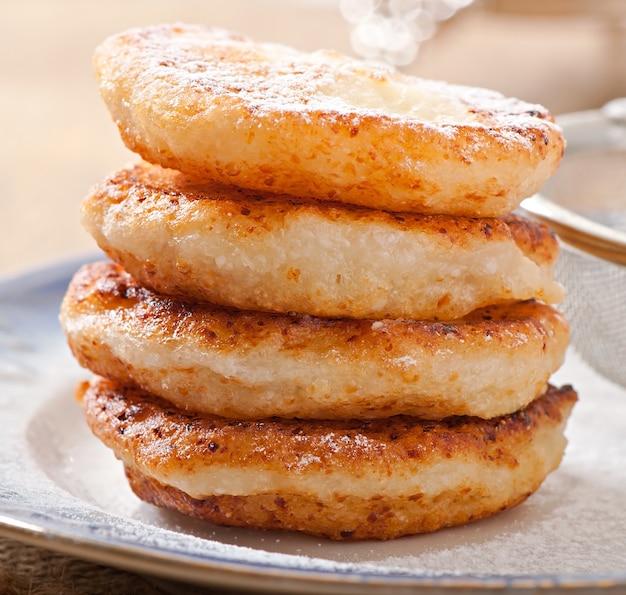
(591, 181)
(595, 304)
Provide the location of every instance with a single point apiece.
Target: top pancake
(266, 117)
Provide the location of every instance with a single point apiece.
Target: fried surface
(341, 479)
(249, 364)
(266, 117)
(267, 252)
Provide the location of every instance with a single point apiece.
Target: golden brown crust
(250, 364)
(342, 518)
(275, 253)
(321, 125)
(297, 474)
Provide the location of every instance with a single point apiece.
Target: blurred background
(57, 138)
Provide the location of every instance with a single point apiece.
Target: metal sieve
(585, 204)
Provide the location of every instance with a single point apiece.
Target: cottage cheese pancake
(246, 365)
(266, 117)
(341, 479)
(237, 248)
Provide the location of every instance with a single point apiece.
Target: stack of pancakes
(321, 313)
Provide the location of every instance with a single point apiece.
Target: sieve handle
(576, 230)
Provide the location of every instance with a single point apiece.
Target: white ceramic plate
(61, 489)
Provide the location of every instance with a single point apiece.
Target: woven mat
(36, 571)
(26, 569)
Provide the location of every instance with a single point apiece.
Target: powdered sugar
(275, 78)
